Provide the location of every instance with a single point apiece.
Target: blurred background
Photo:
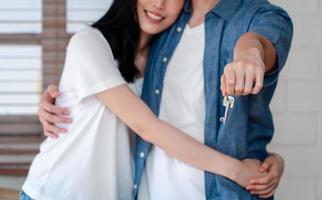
(33, 37)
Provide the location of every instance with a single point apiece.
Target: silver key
(228, 102)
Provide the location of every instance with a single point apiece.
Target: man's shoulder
(258, 4)
(249, 8)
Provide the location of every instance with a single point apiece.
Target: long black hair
(121, 29)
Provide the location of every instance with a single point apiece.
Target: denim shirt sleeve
(274, 23)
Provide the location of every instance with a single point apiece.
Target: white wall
(82, 12)
(18, 16)
(297, 105)
(20, 79)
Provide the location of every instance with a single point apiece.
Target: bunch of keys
(228, 102)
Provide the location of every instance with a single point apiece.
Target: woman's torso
(93, 159)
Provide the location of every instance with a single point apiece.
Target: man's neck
(199, 10)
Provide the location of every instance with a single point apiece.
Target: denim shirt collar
(224, 9)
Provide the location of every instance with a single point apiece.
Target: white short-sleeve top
(93, 159)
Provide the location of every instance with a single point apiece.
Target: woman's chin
(151, 30)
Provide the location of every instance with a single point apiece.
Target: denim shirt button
(165, 59)
(157, 91)
(142, 155)
(135, 186)
(179, 29)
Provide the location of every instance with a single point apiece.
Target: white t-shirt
(182, 105)
(93, 160)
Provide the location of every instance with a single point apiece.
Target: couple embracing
(193, 55)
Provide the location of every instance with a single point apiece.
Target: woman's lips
(153, 17)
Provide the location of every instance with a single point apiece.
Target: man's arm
(255, 45)
(259, 56)
(254, 55)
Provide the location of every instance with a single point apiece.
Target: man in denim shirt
(246, 44)
(221, 48)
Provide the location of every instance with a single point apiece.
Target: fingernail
(66, 112)
(68, 121)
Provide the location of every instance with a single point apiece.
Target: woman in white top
(100, 85)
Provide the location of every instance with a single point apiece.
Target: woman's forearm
(137, 115)
(187, 149)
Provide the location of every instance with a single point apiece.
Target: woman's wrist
(234, 169)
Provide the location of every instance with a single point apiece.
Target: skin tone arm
(136, 114)
(254, 55)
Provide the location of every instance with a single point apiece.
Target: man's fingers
(223, 85)
(266, 164)
(51, 135)
(249, 82)
(265, 180)
(259, 82)
(230, 80)
(240, 78)
(53, 109)
(53, 91)
(240, 83)
(54, 129)
(264, 192)
(51, 128)
(51, 118)
(267, 195)
(47, 132)
(262, 187)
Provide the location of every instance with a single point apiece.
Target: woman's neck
(144, 42)
(142, 51)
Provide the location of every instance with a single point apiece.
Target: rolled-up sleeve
(275, 24)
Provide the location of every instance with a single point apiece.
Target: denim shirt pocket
(232, 135)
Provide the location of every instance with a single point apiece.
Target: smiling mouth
(153, 17)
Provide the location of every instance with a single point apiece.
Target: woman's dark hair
(120, 28)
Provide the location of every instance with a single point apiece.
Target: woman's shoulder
(89, 39)
(88, 33)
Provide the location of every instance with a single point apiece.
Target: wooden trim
(18, 119)
(18, 151)
(54, 41)
(14, 126)
(15, 164)
(20, 39)
(20, 129)
(21, 140)
(9, 194)
(14, 172)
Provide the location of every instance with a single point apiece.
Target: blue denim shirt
(249, 126)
